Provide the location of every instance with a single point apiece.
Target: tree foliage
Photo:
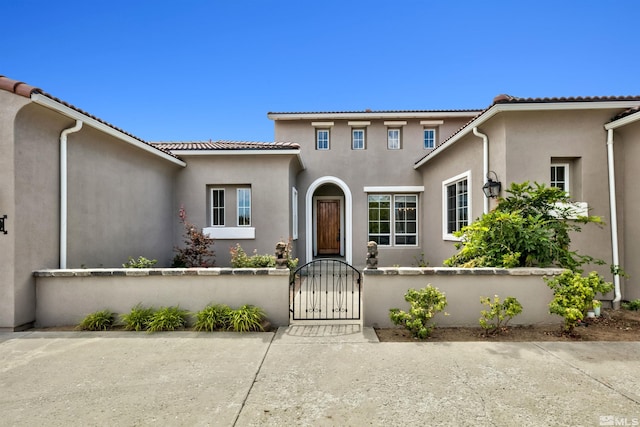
(530, 227)
(197, 251)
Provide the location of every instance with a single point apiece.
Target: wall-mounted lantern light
(492, 187)
(2, 230)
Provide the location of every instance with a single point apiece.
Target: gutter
(485, 161)
(63, 191)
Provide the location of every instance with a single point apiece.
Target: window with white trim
(456, 204)
(393, 139)
(429, 138)
(217, 207)
(357, 139)
(322, 139)
(560, 176)
(244, 206)
(393, 224)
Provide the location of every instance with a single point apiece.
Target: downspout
(485, 161)
(63, 191)
(614, 220)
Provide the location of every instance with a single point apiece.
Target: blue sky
(198, 70)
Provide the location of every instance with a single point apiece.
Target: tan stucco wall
(269, 179)
(627, 153)
(65, 297)
(374, 166)
(120, 202)
(384, 289)
(521, 146)
(9, 106)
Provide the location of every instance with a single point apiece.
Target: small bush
(424, 304)
(499, 314)
(632, 305)
(213, 317)
(573, 295)
(98, 321)
(247, 318)
(168, 319)
(240, 259)
(198, 250)
(141, 262)
(138, 318)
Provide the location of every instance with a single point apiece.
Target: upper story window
(393, 139)
(560, 176)
(217, 207)
(429, 138)
(357, 139)
(322, 139)
(456, 204)
(244, 206)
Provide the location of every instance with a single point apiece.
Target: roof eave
(372, 115)
(541, 106)
(71, 113)
(631, 118)
(241, 152)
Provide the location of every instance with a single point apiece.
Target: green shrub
(499, 313)
(424, 304)
(240, 259)
(98, 321)
(247, 318)
(141, 262)
(573, 295)
(531, 227)
(138, 318)
(632, 305)
(168, 319)
(213, 317)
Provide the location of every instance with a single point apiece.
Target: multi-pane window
(357, 139)
(560, 176)
(395, 224)
(405, 218)
(244, 206)
(217, 207)
(457, 205)
(322, 139)
(429, 138)
(393, 139)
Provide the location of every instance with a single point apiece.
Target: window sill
(230, 232)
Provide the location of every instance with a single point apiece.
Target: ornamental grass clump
(168, 319)
(213, 317)
(138, 318)
(98, 321)
(247, 318)
(424, 304)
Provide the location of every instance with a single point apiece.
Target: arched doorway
(328, 207)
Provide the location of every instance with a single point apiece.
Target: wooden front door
(328, 228)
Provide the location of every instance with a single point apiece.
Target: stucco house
(80, 192)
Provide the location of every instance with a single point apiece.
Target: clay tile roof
(224, 145)
(373, 112)
(626, 113)
(19, 88)
(508, 99)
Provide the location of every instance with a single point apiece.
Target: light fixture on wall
(492, 187)
(2, 230)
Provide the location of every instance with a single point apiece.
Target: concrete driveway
(311, 375)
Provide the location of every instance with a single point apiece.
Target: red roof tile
(224, 145)
(19, 88)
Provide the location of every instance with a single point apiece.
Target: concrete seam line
(255, 378)
(634, 399)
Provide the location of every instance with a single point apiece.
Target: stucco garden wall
(384, 289)
(65, 297)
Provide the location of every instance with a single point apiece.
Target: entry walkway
(311, 375)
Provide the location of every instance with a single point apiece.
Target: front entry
(328, 228)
